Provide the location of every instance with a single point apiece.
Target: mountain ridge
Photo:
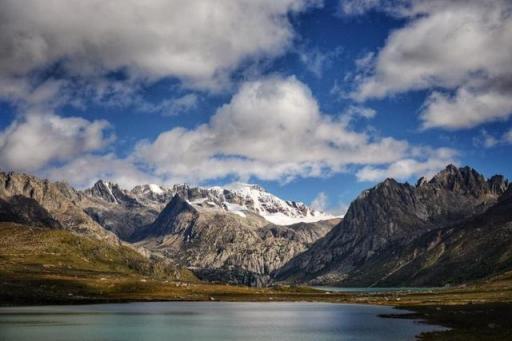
(393, 233)
(393, 213)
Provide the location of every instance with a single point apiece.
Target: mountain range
(452, 228)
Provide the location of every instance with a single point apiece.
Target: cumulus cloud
(467, 108)
(316, 60)
(489, 140)
(360, 111)
(428, 162)
(87, 169)
(358, 7)
(199, 42)
(271, 129)
(464, 47)
(320, 202)
(508, 136)
(35, 140)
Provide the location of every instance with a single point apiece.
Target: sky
(314, 100)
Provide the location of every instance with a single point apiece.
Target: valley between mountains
(451, 229)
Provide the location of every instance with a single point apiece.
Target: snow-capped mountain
(237, 198)
(241, 197)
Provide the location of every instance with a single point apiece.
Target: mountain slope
(118, 210)
(41, 264)
(39, 199)
(393, 214)
(23, 210)
(224, 245)
(474, 249)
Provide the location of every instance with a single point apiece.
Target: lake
(376, 290)
(206, 321)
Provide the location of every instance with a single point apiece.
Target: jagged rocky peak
(498, 184)
(463, 180)
(466, 180)
(111, 193)
(176, 215)
(104, 190)
(422, 181)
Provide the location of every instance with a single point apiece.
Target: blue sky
(311, 99)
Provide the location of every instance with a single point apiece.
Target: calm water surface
(376, 290)
(206, 321)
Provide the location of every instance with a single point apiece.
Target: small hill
(50, 265)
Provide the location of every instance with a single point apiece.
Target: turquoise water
(206, 321)
(370, 290)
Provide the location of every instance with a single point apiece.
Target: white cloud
(199, 42)
(358, 7)
(488, 140)
(272, 129)
(316, 60)
(35, 140)
(168, 107)
(361, 111)
(320, 202)
(508, 136)
(427, 163)
(467, 108)
(87, 169)
(465, 46)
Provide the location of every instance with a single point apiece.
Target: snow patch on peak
(237, 198)
(244, 188)
(155, 189)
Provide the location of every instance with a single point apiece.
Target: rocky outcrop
(392, 215)
(50, 200)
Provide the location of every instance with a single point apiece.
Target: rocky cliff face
(393, 214)
(223, 245)
(29, 199)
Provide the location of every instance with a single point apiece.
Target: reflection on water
(206, 321)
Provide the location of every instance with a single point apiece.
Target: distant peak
(422, 181)
(451, 168)
(239, 186)
(105, 184)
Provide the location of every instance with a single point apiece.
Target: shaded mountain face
(476, 248)
(30, 200)
(226, 246)
(392, 215)
(22, 210)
